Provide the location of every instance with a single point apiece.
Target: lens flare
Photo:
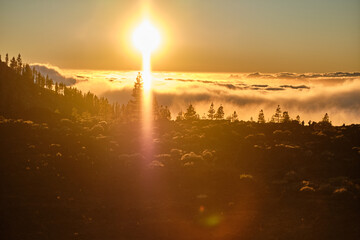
(146, 38)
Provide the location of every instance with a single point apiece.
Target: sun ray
(146, 38)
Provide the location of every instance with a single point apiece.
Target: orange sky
(211, 36)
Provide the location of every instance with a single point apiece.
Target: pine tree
(13, 64)
(19, 63)
(234, 117)
(190, 113)
(56, 87)
(164, 113)
(7, 59)
(285, 117)
(180, 116)
(211, 112)
(219, 113)
(49, 82)
(261, 117)
(134, 106)
(326, 119)
(138, 88)
(61, 87)
(28, 74)
(40, 80)
(277, 116)
(325, 122)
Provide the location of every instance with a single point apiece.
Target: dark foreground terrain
(189, 180)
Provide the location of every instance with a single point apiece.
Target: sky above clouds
(207, 36)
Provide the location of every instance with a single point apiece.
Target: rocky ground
(188, 180)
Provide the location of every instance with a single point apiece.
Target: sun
(146, 38)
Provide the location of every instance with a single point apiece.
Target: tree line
(212, 114)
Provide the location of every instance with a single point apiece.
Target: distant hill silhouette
(25, 93)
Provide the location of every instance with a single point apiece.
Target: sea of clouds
(309, 95)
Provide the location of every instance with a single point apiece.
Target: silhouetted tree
(61, 88)
(326, 118)
(261, 117)
(298, 119)
(41, 80)
(180, 116)
(56, 87)
(285, 117)
(234, 117)
(164, 113)
(7, 59)
(325, 121)
(219, 113)
(134, 105)
(138, 88)
(28, 74)
(277, 116)
(48, 82)
(211, 112)
(13, 64)
(190, 113)
(19, 63)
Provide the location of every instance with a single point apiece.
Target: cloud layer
(54, 74)
(286, 75)
(309, 95)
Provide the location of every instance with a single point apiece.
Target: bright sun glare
(146, 38)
